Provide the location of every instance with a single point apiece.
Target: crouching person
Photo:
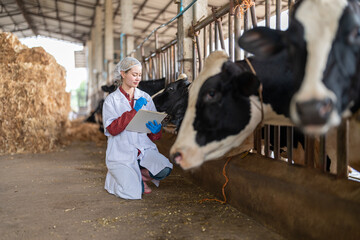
(132, 159)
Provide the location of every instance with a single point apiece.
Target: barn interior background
(170, 38)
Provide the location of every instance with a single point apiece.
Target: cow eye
(354, 36)
(170, 89)
(212, 96)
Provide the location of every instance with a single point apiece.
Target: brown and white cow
(323, 44)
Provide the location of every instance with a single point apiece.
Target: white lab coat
(123, 178)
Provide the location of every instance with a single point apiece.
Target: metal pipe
(322, 153)
(342, 149)
(198, 48)
(253, 15)
(278, 14)
(216, 35)
(267, 140)
(237, 23)
(221, 35)
(277, 142)
(209, 19)
(194, 61)
(211, 47)
(267, 13)
(309, 151)
(289, 143)
(246, 27)
(231, 37)
(205, 43)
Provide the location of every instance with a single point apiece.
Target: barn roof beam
(20, 4)
(159, 14)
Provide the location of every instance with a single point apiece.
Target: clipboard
(137, 124)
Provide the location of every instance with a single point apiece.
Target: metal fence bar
(237, 26)
(198, 48)
(342, 149)
(289, 143)
(211, 43)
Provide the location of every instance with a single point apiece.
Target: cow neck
(260, 90)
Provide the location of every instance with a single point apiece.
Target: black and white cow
(173, 100)
(323, 44)
(224, 106)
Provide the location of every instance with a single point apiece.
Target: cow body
(323, 44)
(224, 106)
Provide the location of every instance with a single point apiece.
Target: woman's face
(132, 77)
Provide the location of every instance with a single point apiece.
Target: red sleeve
(154, 137)
(119, 124)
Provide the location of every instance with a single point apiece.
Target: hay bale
(33, 102)
(78, 130)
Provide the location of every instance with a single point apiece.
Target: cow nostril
(176, 157)
(314, 112)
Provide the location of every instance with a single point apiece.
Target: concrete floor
(60, 195)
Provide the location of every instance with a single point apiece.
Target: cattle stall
(220, 30)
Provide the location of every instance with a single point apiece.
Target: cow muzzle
(314, 112)
(189, 157)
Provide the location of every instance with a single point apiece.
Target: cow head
(323, 43)
(220, 114)
(173, 100)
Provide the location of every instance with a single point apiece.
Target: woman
(132, 158)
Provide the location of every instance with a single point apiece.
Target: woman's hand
(140, 103)
(153, 126)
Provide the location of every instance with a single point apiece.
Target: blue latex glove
(140, 103)
(153, 126)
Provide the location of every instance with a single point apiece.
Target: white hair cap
(124, 65)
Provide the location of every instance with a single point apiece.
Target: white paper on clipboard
(137, 124)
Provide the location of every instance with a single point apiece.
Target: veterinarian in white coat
(132, 158)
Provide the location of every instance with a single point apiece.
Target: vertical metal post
(205, 43)
(267, 140)
(246, 26)
(277, 142)
(342, 149)
(216, 35)
(157, 52)
(309, 151)
(289, 143)
(198, 48)
(221, 35)
(173, 60)
(278, 14)
(143, 62)
(253, 15)
(231, 32)
(211, 44)
(267, 13)
(194, 60)
(322, 153)
(237, 25)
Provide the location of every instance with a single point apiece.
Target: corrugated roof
(72, 20)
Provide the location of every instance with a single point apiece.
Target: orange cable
(226, 182)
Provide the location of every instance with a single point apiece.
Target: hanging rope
(243, 6)
(226, 182)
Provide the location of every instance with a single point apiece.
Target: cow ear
(246, 84)
(105, 88)
(262, 41)
(230, 69)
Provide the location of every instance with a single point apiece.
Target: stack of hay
(34, 105)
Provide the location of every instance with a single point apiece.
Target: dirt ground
(60, 195)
